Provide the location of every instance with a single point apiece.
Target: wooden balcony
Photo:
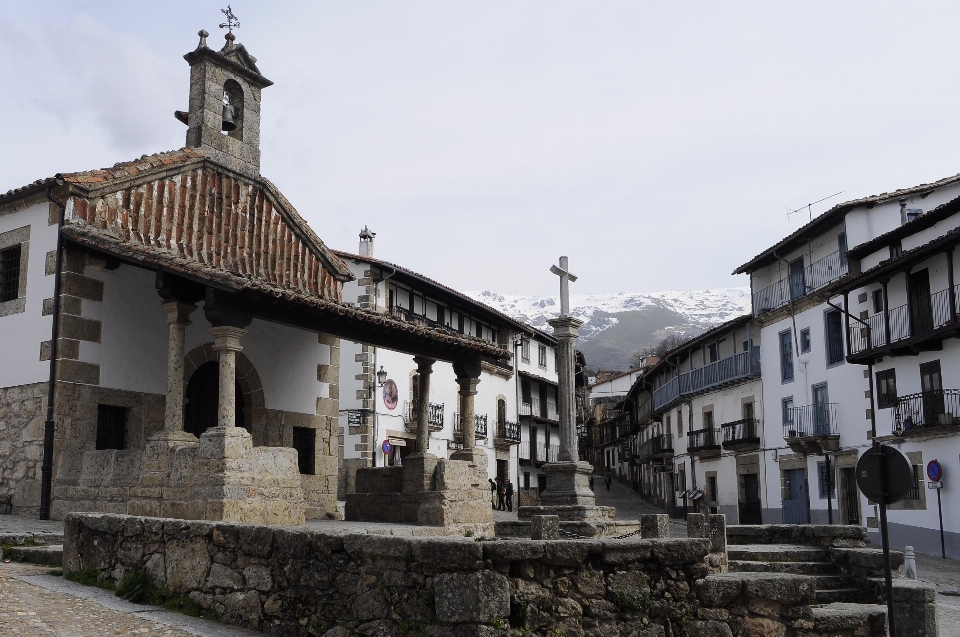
(724, 372)
(928, 412)
(741, 434)
(813, 277)
(704, 442)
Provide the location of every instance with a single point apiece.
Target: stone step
(832, 582)
(46, 555)
(796, 568)
(42, 538)
(843, 595)
(840, 618)
(777, 553)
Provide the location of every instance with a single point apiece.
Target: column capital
(468, 385)
(227, 338)
(178, 312)
(424, 365)
(565, 326)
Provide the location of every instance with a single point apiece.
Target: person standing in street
(501, 495)
(608, 481)
(493, 493)
(509, 494)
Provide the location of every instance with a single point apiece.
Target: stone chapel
(186, 322)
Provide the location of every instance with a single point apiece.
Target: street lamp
(381, 377)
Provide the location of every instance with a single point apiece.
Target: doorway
(851, 495)
(821, 409)
(931, 385)
(201, 404)
(798, 282)
(796, 508)
(921, 311)
(750, 507)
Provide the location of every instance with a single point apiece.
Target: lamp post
(381, 381)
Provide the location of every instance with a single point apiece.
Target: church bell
(228, 124)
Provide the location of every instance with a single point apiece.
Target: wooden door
(750, 507)
(798, 282)
(921, 311)
(796, 507)
(931, 385)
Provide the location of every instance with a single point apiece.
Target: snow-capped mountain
(617, 325)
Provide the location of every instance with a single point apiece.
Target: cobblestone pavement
(630, 505)
(34, 604)
(945, 573)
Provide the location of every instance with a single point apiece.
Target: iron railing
(811, 420)
(508, 431)
(434, 417)
(703, 439)
(536, 409)
(815, 276)
(934, 408)
(660, 445)
(741, 432)
(547, 453)
(906, 321)
(480, 425)
(726, 370)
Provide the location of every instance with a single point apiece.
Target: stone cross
(565, 277)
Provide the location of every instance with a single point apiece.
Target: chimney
(366, 242)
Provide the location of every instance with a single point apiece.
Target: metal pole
(943, 546)
(826, 457)
(884, 538)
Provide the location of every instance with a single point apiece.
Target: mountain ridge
(615, 326)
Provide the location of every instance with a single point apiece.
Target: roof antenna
(808, 206)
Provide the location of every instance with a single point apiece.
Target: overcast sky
(658, 144)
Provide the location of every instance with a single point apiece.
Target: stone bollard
(909, 563)
(695, 524)
(654, 525)
(716, 532)
(544, 527)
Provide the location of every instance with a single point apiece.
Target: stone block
(479, 597)
(544, 527)
(418, 471)
(379, 480)
(72, 371)
(452, 475)
(654, 525)
(696, 525)
(708, 628)
(447, 553)
(716, 532)
(225, 442)
(80, 286)
(568, 483)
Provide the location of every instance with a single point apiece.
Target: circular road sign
(884, 475)
(386, 446)
(934, 471)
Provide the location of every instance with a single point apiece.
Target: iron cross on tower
(232, 22)
(565, 278)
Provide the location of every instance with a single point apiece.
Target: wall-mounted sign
(355, 417)
(387, 447)
(934, 471)
(391, 396)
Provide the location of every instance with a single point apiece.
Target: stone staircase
(40, 548)
(832, 584)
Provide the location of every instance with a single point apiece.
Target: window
(712, 351)
(805, 340)
(896, 250)
(542, 356)
(887, 388)
(305, 442)
(824, 476)
(666, 424)
(526, 480)
(786, 411)
(746, 410)
(878, 301)
(786, 357)
(915, 490)
(680, 422)
(842, 248)
(712, 492)
(834, 337)
(10, 273)
(913, 213)
(110, 426)
(708, 420)
(525, 350)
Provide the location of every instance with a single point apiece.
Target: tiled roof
(831, 217)
(343, 254)
(539, 379)
(97, 179)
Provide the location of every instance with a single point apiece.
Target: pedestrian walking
(501, 495)
(591, 483)
(509, 493)
(493, 493)
(608, 481)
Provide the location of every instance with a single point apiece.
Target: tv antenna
(809, 206)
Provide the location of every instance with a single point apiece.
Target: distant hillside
(617, 325)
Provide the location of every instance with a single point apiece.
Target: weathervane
(232, 21)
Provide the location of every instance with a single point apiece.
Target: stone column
(178, 319)
(227, 343)
(468, 389)
(424, 369)
(565, 329)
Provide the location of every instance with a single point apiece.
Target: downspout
(793, 314)
(49, 426)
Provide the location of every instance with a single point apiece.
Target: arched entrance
(203, 397)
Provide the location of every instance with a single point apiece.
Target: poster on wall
(390, 394)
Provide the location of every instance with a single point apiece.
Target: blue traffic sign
(387, 446)
(934, 471)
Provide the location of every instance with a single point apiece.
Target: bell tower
(224, 116)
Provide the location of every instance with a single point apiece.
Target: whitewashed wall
(21, 334)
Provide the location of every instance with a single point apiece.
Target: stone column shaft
(177, 318)
(565, 329)
(468, 389)
(227, 343)
(424, 369)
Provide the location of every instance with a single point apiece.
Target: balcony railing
(547, 453)
(434, 418)
(657, 446)
(480, 425)
(811, 420)
(411, 317)
(509, 431)
(906, 321)
(727, 370)
(535, 409)
(936, 408)
(815, 276)
(703, 440)
(741, 433)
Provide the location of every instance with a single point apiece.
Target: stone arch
(233, 94)
(501, 416)
(254, 408)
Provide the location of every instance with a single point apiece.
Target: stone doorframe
(254, 409)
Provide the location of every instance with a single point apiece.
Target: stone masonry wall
(286, 581)
(22, 414)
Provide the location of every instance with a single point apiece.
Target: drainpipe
(793, 315)
(376, 282)
(49, 426)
